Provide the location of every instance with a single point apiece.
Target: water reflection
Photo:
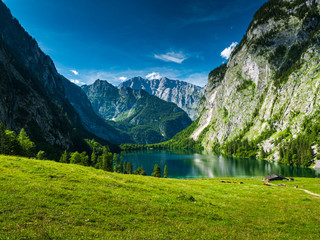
(187, 164)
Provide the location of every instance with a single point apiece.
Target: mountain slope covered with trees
(146, 118)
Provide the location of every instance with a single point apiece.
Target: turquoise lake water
(188, 164)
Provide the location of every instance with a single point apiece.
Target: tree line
(12, 143)
(20, 144)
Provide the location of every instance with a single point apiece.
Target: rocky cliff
(186, 95)
(33, 95)
(146, 118)
(268, 93)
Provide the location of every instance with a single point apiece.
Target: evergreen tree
(121, 165)
(93, 158)
(64, 157)
(140, 171)
(12, 145)
(165, 172)
(115, 163)
(125, 167)
(41, 155)
(27, 146)
(84, 159)
(156, 171)
(75, 158)
(129, 168)
(107, 161)
(143, 172)
(99, 162)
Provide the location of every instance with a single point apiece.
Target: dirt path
(306, 191)
(311, 193)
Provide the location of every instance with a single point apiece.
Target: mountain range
(58, 114)
(146, 118)
(186, 95)
(263, 102)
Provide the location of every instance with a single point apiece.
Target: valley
(104, 141)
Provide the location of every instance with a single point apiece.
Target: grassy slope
(48, 200)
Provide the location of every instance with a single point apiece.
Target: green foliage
(105, 161)
(79, 158)
(181, 140)
(65, 157)
(130, 146)
(140, 171)
(276, 9)
(75, 158)
(282, 135)
(165, 172)
(144, 117)
(93, 158)
(290, 63)
(156, 171)
(242, 147)
(13, 144)
(116, 167)
(297, 152)
(245, 83)
(27, 146)
(217, 75)
(225, 112)
(41, 155)
(129, 168)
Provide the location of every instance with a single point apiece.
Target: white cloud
(171, 57)
(75, 72)
(153, 75)
(226, 53)
(123, 79)
(76, 82)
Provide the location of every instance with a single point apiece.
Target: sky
(116, 40)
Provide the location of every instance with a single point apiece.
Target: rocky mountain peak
(186, 95)
(269, 84)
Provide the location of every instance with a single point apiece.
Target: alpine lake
(190, 164)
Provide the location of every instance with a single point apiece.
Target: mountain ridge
(267, 94)
(186, 95)
(145, 117)
(33, 93)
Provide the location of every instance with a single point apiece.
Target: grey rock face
(271, 80)
(186, 95)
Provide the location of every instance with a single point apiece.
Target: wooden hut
(274, 177)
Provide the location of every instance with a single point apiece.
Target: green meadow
(49, 200)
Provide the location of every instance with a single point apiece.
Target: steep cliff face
(186, 95)
(33, 95)
(146, 118)
(271, 82)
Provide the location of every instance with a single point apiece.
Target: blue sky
(115, 40)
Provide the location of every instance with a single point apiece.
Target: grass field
(48, 200)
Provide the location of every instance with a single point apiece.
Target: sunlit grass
(48, 200)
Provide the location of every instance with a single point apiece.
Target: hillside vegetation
(147, 119)
(264, 102)
(48, 200)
